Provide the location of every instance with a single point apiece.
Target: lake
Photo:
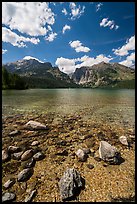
(101, 105)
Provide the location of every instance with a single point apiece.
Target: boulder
(25, 174)
(123, 140)
(26, 155)
(5, 155)
(82, 156)
(9, 183)
(34, 125)
(108, 153)
(8, 197)
(70, 183)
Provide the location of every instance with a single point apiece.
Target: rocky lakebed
(57, 158)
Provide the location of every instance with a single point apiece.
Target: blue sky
(70, 34)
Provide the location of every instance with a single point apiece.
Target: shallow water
(102, 105)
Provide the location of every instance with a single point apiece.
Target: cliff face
(103, 74)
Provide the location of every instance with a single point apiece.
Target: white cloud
(109, 23)
(66, 27)
(98, 6)
(77, 45)
(69, 65)
(16, 40)
(76, 11)
(129, 61)
(64, 11)
(124, 50)
(4, 51)
(30, 57)
(51, 37)
(89, 61)
(65, 65)
(27, 17)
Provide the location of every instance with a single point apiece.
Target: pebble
(27, 154)
(29, 163)
(69, 183)
(97, 159)
(25, 174)
(15, 132)
(123, 140)
(34, 125)
(8, 197)
(17, 155)
(5, 155)
(9, 183)
(81, 155)
(35, 143)
(62, 153)
(13, 149)
(30, 197)
(38, 156)
(90, 166)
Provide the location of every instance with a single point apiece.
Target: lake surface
(111, 106)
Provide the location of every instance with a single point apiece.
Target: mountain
(40, 75)
(105, 75)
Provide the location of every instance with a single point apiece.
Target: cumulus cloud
(98, 6)
(65, 65)
(30, 57)
(30, 18)
(109, 23)
(66, 27)
(76, 11)
(69, 65)
(77, 45)
(64, 11)
(124, 50)
(16, 40)
(4, 51)
(51, 37)
(129, 61)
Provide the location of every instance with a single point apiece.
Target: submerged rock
(34, 125)
(29, 163)
(30, 197)
(8, 197)
(108, 153)
(5, 155)
(82, 156)
(25, 174)
(9, 183)
(38, 156)
(70, 183)
(123, 140)
(27, 154)
(13, 149)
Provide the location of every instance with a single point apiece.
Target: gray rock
(81, 155)
(9, 183)
(25, 174)
(13, 149)
(33, 125)
(108, 153)
(17, 155)
(35, 143)
(15, 132)
(38, 156)
(8, 197)
(5, 155)
(26, 155)
(30, 197)
(70, 183)
(123, 140)
(29, 163)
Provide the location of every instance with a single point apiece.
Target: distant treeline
(12, 81)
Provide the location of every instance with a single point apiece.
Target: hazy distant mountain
(105, 74)
(40, 75)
